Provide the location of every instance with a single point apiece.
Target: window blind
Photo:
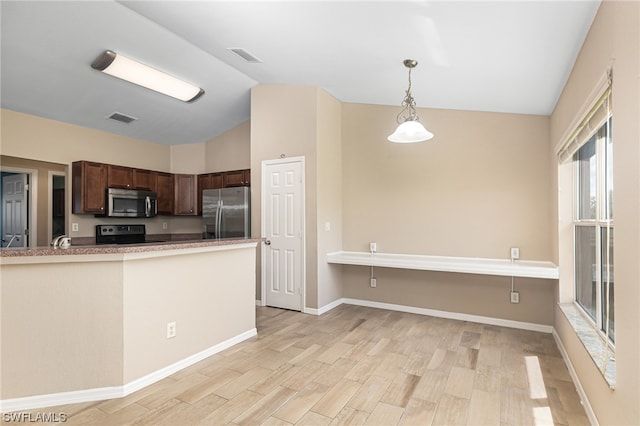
(592, 121)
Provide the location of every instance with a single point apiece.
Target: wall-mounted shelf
(465, 265)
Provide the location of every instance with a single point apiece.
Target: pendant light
(410, 129)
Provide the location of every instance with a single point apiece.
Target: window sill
(603, 356)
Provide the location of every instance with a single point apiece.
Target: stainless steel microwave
(131, 203)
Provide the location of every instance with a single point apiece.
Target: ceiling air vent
(126, 119)
(244, 55)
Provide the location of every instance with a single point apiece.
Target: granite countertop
(122, 248)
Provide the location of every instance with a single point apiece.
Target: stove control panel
(106, 230)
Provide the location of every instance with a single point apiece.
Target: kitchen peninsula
(96, 322)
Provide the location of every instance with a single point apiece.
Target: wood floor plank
(355, 365)
(232, 409)
(336, 398)
(314, 419)
(243, 382)
(451, 410)
(401, 389)
(418, 413)
(369, 394)
(484, 408)
(350, 417)
(264, 407)
(460, 382)
(385, 414)
(295, 408)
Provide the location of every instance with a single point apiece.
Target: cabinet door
(89, 182)
(164, 189)
(234, 178)
(207, 181)
(185, 195)
(120, 177)
(144, 179)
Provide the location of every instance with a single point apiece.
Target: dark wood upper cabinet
(119, 177)
(178, 194)
(165, 189)
(207, 181)
(144, 179)
(185, 195)
(89, 182)
(236, 178)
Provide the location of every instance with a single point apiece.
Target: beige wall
(79, 322)
(479, 187)
(329, 193)
(61, 327)
(284, 122)
(208, 308)
(36, 138)
(613, 41)
(188, 159)
(229, 151)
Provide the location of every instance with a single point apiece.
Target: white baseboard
(99, 394)
(258, 302)
(591, 415)
(433, 313)
(325, 308)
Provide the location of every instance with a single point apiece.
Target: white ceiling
(501, 56)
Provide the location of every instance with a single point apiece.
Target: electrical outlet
(171, 330)
(515, 253)
(374, 283)
(164, 225)
(373, 247)
(74, 227)
(515, 297)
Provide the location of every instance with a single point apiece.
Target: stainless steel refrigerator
(226, 212)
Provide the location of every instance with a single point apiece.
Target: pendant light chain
(409, 105)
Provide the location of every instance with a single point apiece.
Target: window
(593, 229)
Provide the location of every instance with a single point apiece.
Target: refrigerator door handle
(219, 220)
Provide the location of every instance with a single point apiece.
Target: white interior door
(14, 210)
(283, 230)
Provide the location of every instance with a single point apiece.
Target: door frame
(263, 255)
(32, 202)
(50, 175)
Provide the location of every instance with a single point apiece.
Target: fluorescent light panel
(132, 71)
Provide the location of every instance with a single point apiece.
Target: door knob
(267, 242)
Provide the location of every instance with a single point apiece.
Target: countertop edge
(15, 256)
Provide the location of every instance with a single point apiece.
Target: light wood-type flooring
(356, 365)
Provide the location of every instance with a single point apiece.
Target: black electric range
(121, 234)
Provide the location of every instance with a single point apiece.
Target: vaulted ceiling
(500, 56)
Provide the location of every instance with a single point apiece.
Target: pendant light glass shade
(410, 132)
(410, 129)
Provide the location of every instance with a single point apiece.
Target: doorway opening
(17, 208)
(57, 205)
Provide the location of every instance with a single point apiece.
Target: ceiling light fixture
(410, 129)
(127, 69)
